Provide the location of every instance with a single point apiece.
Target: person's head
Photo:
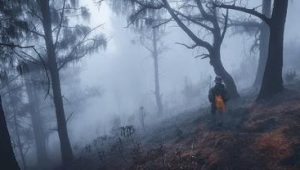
(218, 80)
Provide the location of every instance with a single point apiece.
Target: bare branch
(69, 117)
(163, 23)
(202, 11)
(12, 45)
(39, 55)
(146, 46)
(60, 23)
(187, 46)
(197, 40)
(37, 33)
(236, 23)
(143, 6)
(149, 5)
(203, 56)
(225, 26)
(246, 10)
(190, 18)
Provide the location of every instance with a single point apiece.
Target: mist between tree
(73, 71)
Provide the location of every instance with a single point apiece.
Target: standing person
(218, 97)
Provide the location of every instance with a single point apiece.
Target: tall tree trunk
(37, 122)
(7, 156)
(263, 44)
(272, 80)
(156, 72)
(215, 61)
(65, 146)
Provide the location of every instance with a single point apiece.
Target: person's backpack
(220, 105)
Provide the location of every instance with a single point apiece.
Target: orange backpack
(220, 105)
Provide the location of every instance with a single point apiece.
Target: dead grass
(274, 147)
(263, 138)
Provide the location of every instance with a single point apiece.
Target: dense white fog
(113, 83)
(124, 71)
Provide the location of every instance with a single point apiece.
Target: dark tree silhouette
(263, 43)
(151, 36)
(7, 157)
(65, 145)
(272, 82)
(10, 24)
(253, 27)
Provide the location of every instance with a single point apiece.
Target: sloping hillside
(253, 136)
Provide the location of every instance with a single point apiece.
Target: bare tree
(154, 39)
(153, 35)
(148, 26)
(65, 145)
(202, 14)
(272, 82)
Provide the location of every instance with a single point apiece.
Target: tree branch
(37, 33)
(70, 56)
(225, 26)
(190, 18)
(187, 46)
(245, 10)
(12, 45)
(202, 11)
(197, 40)
(162, 23)
(203, 56)
(145, 46)
(236, 23)
(60, 24)
(144, 5)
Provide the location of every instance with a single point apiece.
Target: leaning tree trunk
(37, 122)
(263, 43)
(214, 50)
(7, 156)
(65, 146)
(215, 61)
(272, 80)
(156, 72)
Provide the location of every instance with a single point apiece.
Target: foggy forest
(149, 85)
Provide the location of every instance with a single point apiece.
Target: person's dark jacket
(218, 89)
